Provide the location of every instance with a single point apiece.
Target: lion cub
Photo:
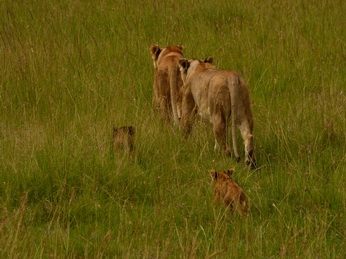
(229, 191)
(123, 138)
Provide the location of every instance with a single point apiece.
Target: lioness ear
(213, 174)
(230, 172)
(184, 63)
(155, 50)
(209, 60)
(180, 47)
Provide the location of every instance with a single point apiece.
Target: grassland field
(71, 70)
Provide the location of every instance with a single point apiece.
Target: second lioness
(216, 95)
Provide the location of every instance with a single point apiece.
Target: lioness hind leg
(156, 98)
(165, 108)
(220, 133)
(216, 146)
(248, 142)
(188, 112)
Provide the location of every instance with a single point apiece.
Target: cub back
(229, 192)
(123, 138)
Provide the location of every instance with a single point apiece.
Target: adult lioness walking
(167, 81)
(216, 95)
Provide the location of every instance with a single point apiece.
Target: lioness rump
(167, 81)
(229, 192)
(216, 95)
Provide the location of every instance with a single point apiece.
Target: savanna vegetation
(71, 70)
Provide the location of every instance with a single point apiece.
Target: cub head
(125, 130)
(220, 176)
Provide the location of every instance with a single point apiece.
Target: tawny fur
(123, 139)
(167, 86)
(216, 95)
(227, 191)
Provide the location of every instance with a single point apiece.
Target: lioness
(167, 80)
(123, 139)
(228, 191)
(216, 95)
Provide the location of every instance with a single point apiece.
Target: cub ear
(183, 63)
(230, 172)
(181, 47)
(209, 60)
(115, 131)
(213, 174)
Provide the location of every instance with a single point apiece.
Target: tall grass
(70, 70)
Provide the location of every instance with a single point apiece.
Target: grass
(71, 70)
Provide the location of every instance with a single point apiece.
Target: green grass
(70, 70)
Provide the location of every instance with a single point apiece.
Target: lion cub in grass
(228, 191)
(123, 139)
